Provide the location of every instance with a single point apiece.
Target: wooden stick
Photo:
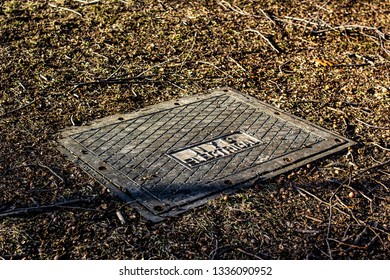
(249, 254)
(52, 171)
(324, 202)
(88, 2)
(372, 167)
(17, 109)
(45, 207)
(379, 146)
(373, 126)
(265, 38)
(65, 9)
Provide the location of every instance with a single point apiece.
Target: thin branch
(65, 9)
(379, 146)
(240, 11)
(350, 27)
(372, 126)
(157, 65)
(372, 167)
(52, 172)
(17, 109)
(349, 245)
(330, 222)
(216, 67)
(236, 9)
(238, 64)
(308, 231)
(249, 254)
(110, 81)
(85, 3)
(265, 38)
(45, 207)
(324, 202)
(380, 183)
(116, 71)
(189, 52)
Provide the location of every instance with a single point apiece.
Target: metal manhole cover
(174, 156)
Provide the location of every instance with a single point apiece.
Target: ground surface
(325, 61)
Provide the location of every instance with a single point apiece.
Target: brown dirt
(325, 61)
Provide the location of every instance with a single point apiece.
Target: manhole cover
(174, 156)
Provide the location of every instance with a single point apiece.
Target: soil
(67, 62)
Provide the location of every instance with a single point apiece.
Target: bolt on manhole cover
(177, 155)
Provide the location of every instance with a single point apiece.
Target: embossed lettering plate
(174, 156)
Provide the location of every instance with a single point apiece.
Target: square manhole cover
(174, 156)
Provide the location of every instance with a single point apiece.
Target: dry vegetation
(67, 62)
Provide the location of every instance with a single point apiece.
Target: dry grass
(325, 61)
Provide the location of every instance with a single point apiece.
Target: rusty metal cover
(174, 156)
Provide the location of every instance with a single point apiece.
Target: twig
(249, 254)
(307, 101)
(45, 207)
(157, 65)
(72, 121)
(52, 171)
(189, 52)
(372, 167)
(316, 15)
(361, 193)
(65, 9)
(116, 71)
(330, 221)
(22, 86)
(222, 249)
(110, 81)
(378, 38)
(308, 231)
(372, 126)
(314, 218)
(324, 202)
(336, 110)
(240, 11)
(372, 241)
(176, 86)
(236, 9)
(322, 7)
(350, 27)
(328, 232)
(215, 250)
(319, 249)
(379, 146)
(359, 236)
(17, 109)
(238, 64)
(138, 79)
(284, 71)
(265, 38)
(216, 67)
(380, 183)
(365, 59)
(342, 203)
(349, 245)
(88, 2)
